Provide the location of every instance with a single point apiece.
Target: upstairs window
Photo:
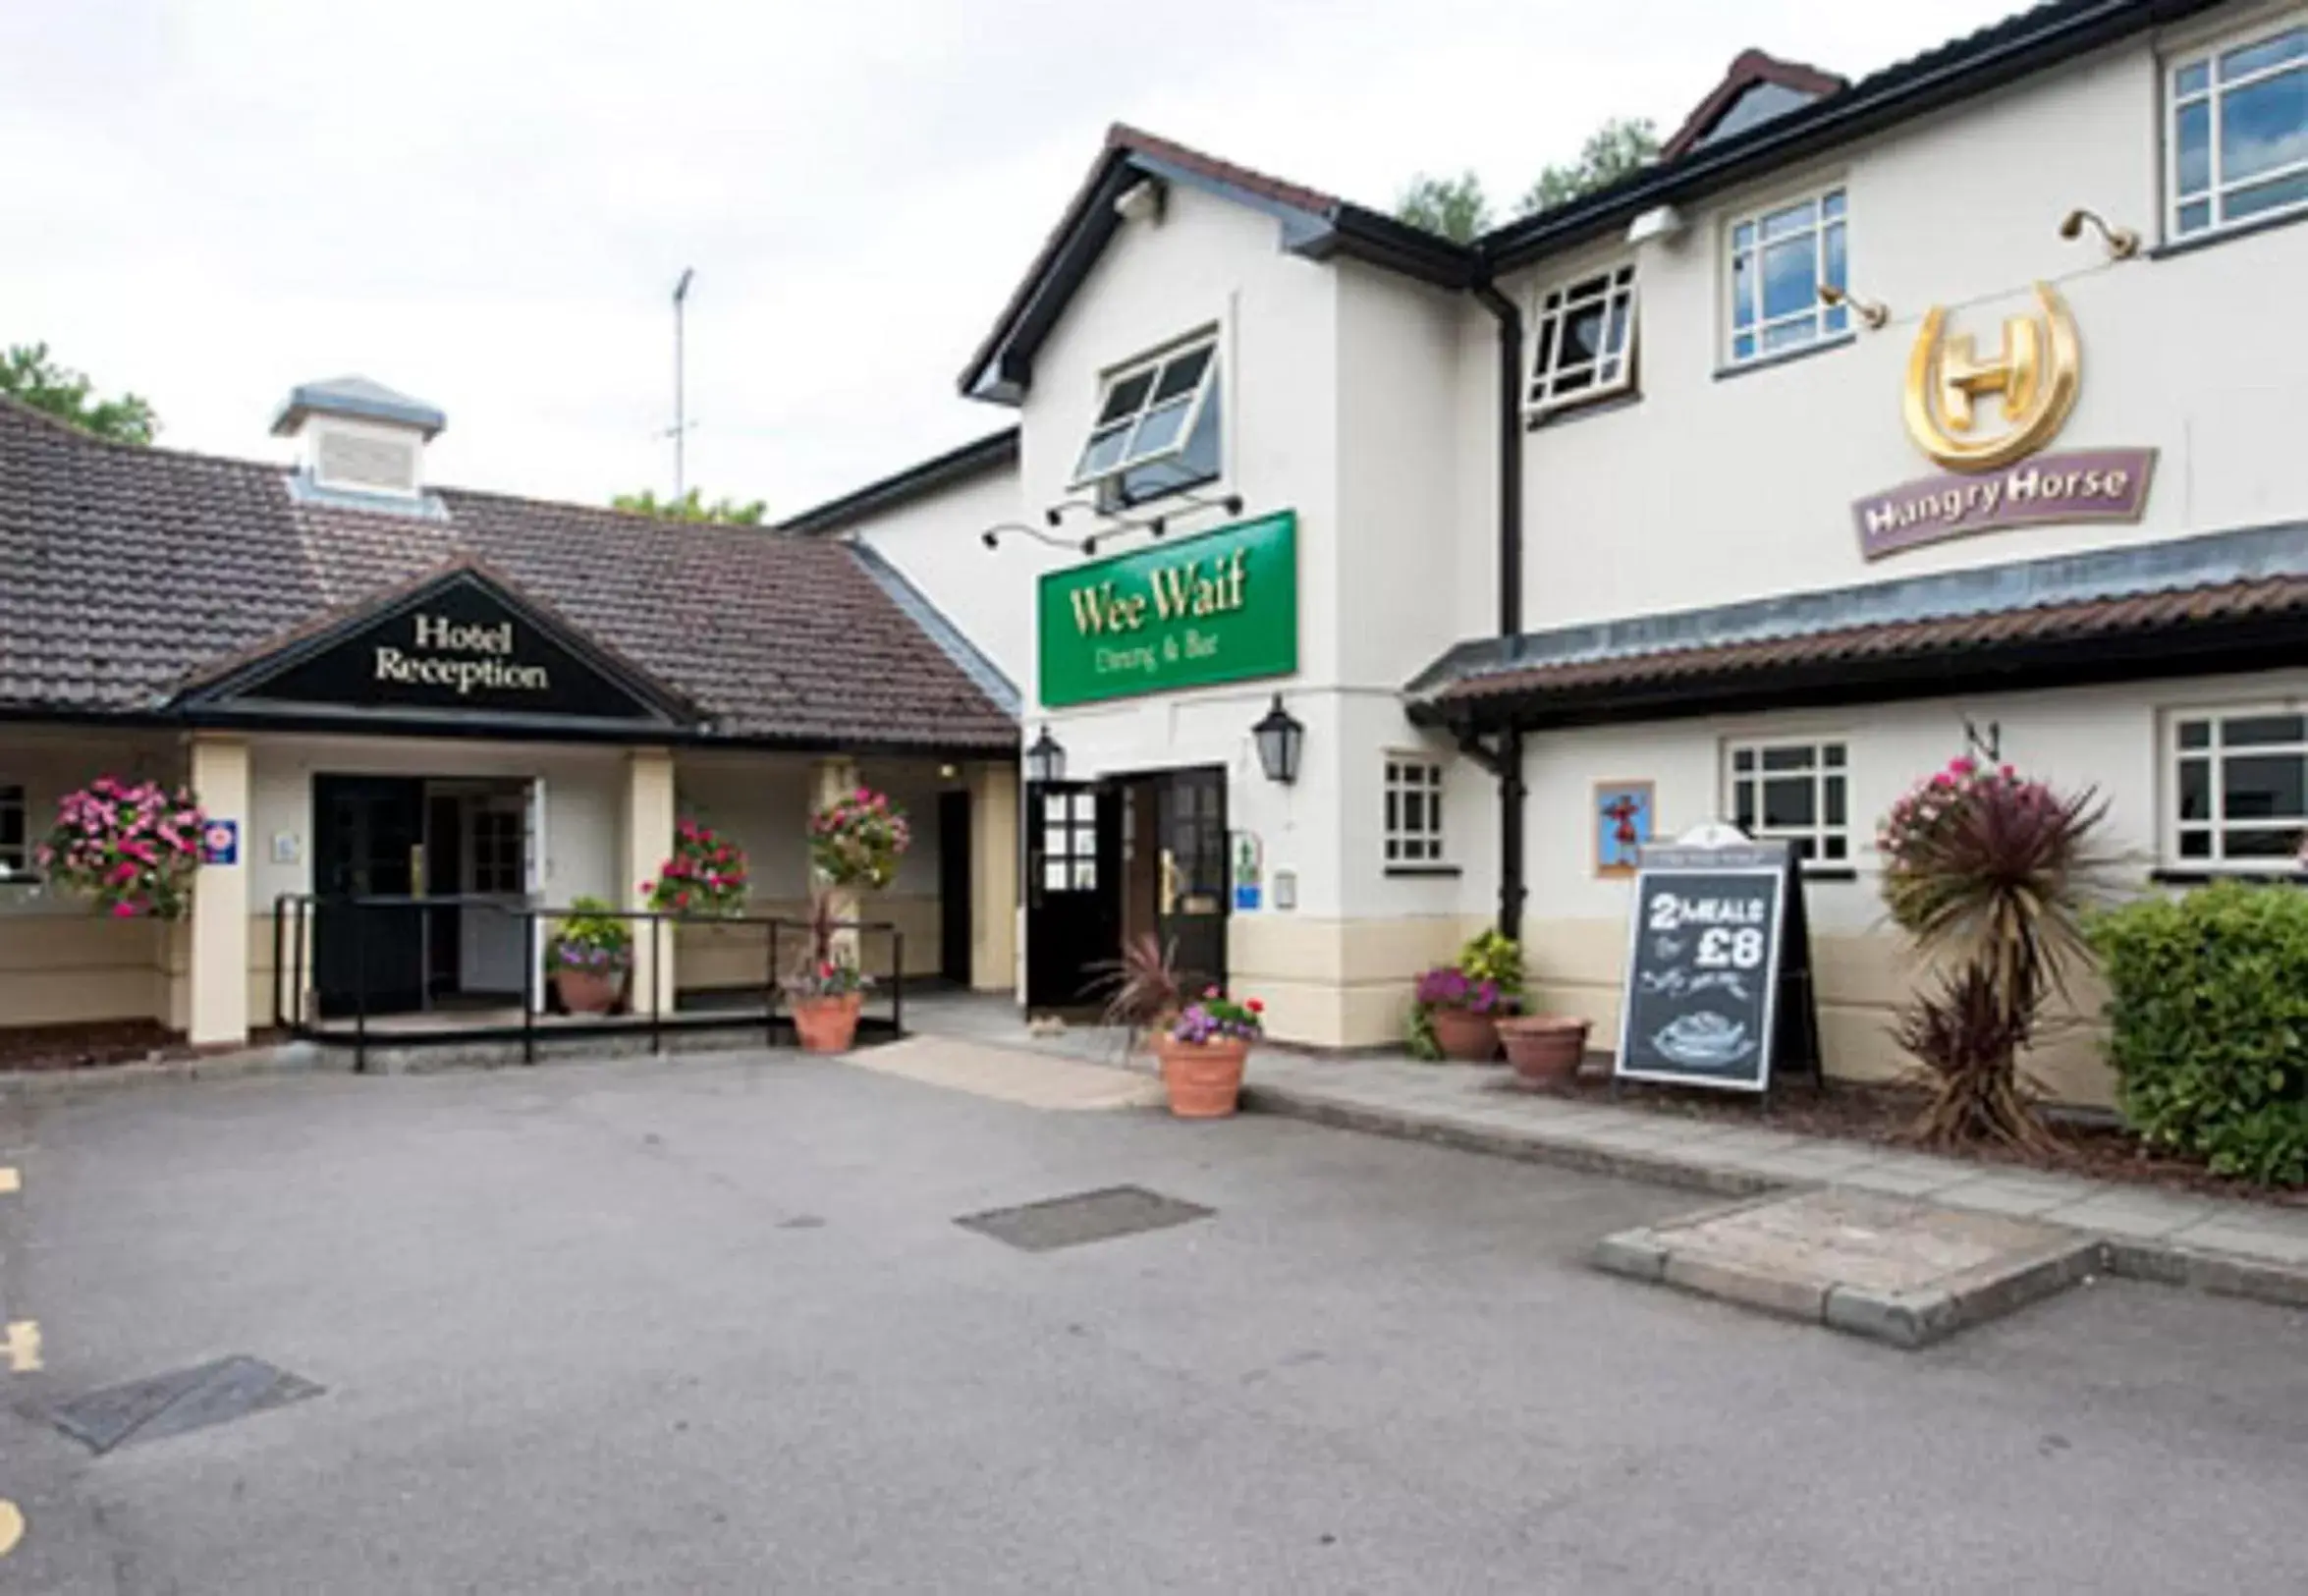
(1585, 342)
(2239, 147)
(1157, 427)
(1415, 810)
(1796, 792)
(2239, 790)
(1780, 260)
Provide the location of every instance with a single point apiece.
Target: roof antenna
(681, 423)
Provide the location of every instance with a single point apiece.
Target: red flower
(1255, 1007)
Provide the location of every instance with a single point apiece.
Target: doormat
(168, 1404)
(1087, 1216)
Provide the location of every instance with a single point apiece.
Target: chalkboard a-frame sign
(1719, 969)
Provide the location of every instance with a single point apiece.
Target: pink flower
(125, 910)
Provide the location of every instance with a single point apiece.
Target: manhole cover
(168, 1404)
(1088, 1216)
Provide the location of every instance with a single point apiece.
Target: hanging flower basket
(857, 840)
(706, 876)
(132, 846)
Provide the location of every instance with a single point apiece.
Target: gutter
(1505, 760)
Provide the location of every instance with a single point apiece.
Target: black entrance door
(1073, 892)
(954, 886)
(1193, 881)
(368, 836)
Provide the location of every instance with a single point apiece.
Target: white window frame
(1409, 775)
(15, 863)
(2215, 825)
(1826, 322)
(1614, 287)
(1831, 842)
(1128, 424)
(2213, 197)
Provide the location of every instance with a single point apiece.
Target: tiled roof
(124, 573)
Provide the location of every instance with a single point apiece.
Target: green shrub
(2208, 1018)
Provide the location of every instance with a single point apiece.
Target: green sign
(1219, 607)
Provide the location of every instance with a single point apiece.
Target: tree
(691, 505)
(28, 375)
(1618, 147)
(1456, 207)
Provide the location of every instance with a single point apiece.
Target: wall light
(2122, 243)
(1280, 739)
(1874, 313)
(1045, 761)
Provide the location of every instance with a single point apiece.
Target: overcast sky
(486, 203)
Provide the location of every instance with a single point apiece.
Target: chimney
(358, 437)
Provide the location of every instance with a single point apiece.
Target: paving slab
(1901, 1271)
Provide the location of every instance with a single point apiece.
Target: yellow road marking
(9, 1181)
(11, 1528)
(23, 1345)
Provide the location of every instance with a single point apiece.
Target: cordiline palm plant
(1990, 874)
(1143, 987)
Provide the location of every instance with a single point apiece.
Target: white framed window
(1780, 257)
(1415, 809)
(1156, 428)
(1797, 792)
(1584, 344)
(2239, 789)
(1069, 842)
(2236, 146)
(15, 840)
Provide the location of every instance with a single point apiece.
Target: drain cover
(1088, 1216)
(168, 1404)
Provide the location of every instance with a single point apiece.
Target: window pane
(1054, 875)
(1105, 448)
(1742, 759)
(1798, 758)
(1159, 428)
(1394, 848)
(1834, 255)
(1085, 875)
(2195, 734)
(1415, 812)
(1743, 805)
(1125, 397)
(1543, 361)
(1790, 802)
(2238, 204)
(1615, 336)
(2258, 731)
(1788, 219)
(1836, 847)
(2191, 80)
(1831, 754)
(1836, 318)
(1790, 277)
(1198, 461)
(1789, 335)
(2195, 844)
(2259, 845)
(1054, 837)
(1743, 292)
(2264, 787)
(1394, 811)
(1743, 346)
(1582, 335)
(1085, 807)
(1434, 814)
(1184, 374)
(2264, 126)
(1832, 787)
(1804, 848)
(2191, 147)
(1832, 205)
(1743, 235)
(2290, 46)
(2194, 218)
(2195, 790)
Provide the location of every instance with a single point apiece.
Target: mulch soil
(85, 1047)
(1882, 1114)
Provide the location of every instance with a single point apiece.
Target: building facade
(1878, 423)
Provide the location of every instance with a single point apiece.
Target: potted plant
(827, 993)
(134, 846)
(587, 956)
(1545, 1050)
(706, 876)
(1464, 1013)
(1203, 1051)
(1143, 991)
(855, 845)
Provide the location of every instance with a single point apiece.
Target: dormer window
(1583, 343)
(1157, 426)
(360, 438)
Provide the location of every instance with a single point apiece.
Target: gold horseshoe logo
(2036, 374)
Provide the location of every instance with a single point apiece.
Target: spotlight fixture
(1874, 313)
(2122, 241)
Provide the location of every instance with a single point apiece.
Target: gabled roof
(1313, 224)
(981, 457)
(1755, 88)
(359, 396)
(126, 573)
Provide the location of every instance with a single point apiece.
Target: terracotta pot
(1545, 1049)
(1465, 1035)
(828, 1024)
(589, 991)
(1204, 1078)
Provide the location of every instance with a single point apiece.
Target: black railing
(300, 1005)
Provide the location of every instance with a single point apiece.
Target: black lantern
(1279, 739)
(1045, 761)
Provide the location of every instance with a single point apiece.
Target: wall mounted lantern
(1045, 761)
(1280, 737)
(1874, 313)
(2121, 243)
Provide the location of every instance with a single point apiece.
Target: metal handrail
(294, 916)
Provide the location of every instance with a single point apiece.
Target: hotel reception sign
(1219, 607)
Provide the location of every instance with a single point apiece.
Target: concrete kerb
(2127, 1257)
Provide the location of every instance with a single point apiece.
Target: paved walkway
(2257, 1248)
